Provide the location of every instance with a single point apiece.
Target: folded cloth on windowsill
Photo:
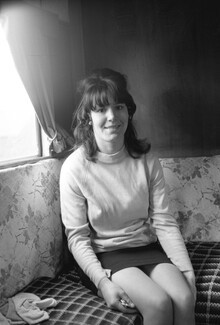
(26, 308)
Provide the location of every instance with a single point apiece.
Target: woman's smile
(109, 125)
(113, 127)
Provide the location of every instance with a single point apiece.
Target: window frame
(43, 151)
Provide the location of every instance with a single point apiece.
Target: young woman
(116, 213)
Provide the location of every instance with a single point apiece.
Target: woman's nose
(110, 113)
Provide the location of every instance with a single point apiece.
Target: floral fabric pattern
(30, 224)
(193, 186)
(31, 242)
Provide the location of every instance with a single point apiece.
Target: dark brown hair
(98, 88)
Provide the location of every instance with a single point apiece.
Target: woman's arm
(74, 217)
(191, 280)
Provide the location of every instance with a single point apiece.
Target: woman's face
(109, 125)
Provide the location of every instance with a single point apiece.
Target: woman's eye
(120, 107)
(99, 109)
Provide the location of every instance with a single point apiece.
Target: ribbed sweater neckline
(111, 158)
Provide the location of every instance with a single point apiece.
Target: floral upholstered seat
(33, 255)
(194, 190)
(30, 225)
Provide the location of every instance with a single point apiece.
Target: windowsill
(20, 162)
(32, 160)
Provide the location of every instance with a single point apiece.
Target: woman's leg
(149, 298)
(172, 281)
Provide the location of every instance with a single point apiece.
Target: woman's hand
(113, 294)
(190, 278)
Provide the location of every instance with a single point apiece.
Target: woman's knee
(163, 304)
(186, 301)
(150, 299)
(184, 309)
(160, 309)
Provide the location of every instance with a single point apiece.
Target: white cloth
(31, 308)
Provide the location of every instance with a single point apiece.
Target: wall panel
(170, 51)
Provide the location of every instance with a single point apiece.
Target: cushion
(205, 259)
(76, 304)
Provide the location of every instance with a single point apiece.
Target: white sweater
(113, 203)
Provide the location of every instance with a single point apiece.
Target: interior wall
(170, 51)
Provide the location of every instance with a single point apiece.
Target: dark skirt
(127, 257)
(133, 256)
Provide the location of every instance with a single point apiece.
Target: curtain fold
(29, 33)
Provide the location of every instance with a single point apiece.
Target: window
(19, 128)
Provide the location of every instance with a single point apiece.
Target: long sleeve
(163, 222)
(74, 216)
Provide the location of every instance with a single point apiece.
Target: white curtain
(28, 34)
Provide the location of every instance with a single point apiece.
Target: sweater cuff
(107, 275)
